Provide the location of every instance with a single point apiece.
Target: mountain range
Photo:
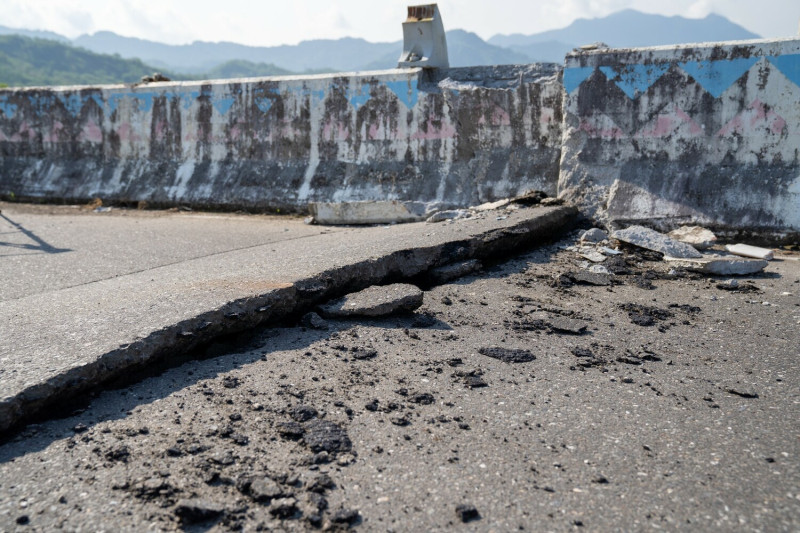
(201, 59)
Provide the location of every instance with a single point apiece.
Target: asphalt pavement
(527, 396)
(88, 295)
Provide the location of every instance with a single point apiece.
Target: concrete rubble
(594, 235)
(396, 212)
(655, 241)
(719, 265)
(375, 301)
(698, 237)
(450, 214)
(745, 250)
(590, 246)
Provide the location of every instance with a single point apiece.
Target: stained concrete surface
(92, 296)
(676, 408)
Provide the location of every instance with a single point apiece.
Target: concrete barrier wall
(706, 134)
(460, 138)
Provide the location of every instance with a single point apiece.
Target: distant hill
(47, 58)
(464, 49)
(25, 61)
(239, 68)
(198, 57)
(627, 28)
(36, 34)
(347, 54)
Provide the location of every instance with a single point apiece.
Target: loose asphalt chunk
(508, 355)
(375, 301)
(59, 343)
(567, 325)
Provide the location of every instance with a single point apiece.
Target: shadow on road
(40, 244)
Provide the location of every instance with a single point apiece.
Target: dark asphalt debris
(321, 435)
(467, 513)
(508, 355)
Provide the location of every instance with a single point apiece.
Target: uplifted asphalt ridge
(61, 343)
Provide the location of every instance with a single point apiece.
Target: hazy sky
(268, 23)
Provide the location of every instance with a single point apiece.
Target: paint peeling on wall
(278, 143)
(703, 134)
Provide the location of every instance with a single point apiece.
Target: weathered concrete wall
(461, 138)
(706, 134)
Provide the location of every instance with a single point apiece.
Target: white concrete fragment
(593, 256)
(599, 269)
(658, 242)
(719, 266)
(489, 206)
(453, 214)
(698, 237)
(594, 235)
(371, 212)
(745, 250)
(609, 251)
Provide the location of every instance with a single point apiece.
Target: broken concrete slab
(745, 250)
(379, 300)
(720, 266)
(658, 242)
(367, 212)
(63, 337)
(696, 236)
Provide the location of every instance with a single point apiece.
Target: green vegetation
(238, 68)
(26, 62)
(29, 62)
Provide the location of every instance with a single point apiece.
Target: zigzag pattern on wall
(715, 76)
(618, 102)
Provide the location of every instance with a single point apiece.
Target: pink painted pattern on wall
(432, 132)
(597, 128)
(55, 133)
(335, 131)
(91, 133)
(756, 118)
(675, 120)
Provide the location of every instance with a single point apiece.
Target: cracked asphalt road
(519, 398)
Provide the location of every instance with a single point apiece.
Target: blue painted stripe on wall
(405, 90)
(263, 104)
(358, 97)
(574, 76)
(9, 110)
(223, 105)
(789, 65)
(72, 103)
(717, 76)
(635, 79)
